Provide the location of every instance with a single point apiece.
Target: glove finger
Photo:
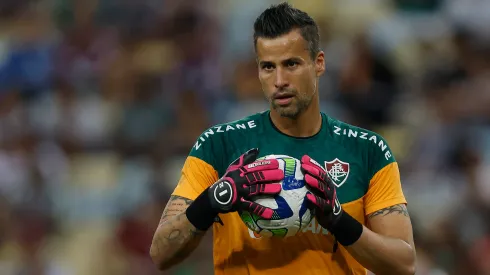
(311, 167)
(320, 189)
(317, 186)
(318, 203)
(261, 165)
(264, 189)
(265, 176)
(257, 209)
(308, 160)
(246, 158)
(313, 200)
(250, 156)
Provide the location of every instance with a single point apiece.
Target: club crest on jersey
(338, 171)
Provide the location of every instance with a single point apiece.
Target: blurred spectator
(368, 86)
(100, 102)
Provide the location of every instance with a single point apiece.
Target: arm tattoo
(400, 209)
(175, 206)
(175, 241)
(175, 238)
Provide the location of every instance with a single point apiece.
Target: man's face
(287, 73)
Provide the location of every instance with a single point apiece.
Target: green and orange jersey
(359, 162)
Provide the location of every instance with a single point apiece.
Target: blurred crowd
(101, 101)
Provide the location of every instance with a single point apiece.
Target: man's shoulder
(351, 133)
(219, 142)
(219, 133)
(365, 142)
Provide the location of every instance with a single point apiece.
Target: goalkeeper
(361, 221)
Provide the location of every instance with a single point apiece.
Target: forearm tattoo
(175, 239)
(175, 206)
(400, 209)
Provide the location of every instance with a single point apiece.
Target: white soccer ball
(290, 210)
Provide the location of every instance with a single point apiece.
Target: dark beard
(293, 111)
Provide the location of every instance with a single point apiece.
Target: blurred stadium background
(101, 100)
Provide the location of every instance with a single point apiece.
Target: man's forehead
(285, 46)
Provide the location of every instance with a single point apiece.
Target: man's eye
(291, 63)
(267, 67)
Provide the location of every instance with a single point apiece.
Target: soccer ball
(290, 210)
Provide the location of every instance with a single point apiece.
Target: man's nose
(281, 80)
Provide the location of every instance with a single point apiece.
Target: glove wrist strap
(347, 230)
(200, 213)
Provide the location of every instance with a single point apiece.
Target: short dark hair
(282, 19)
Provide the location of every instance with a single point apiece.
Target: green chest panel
(350, 155)
(344, 168)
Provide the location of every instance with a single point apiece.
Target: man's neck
(307, 124)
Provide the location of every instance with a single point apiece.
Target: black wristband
(200, 213)
(347, 230)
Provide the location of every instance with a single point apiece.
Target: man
(361, 220)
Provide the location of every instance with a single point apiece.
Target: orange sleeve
(196, 176)
(384, 190)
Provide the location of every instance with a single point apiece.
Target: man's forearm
(383, 255)
(173, 241)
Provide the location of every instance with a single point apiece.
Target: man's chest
(345, 166)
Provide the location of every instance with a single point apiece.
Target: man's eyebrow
(294, 58)
(284, 61)
(265, 62)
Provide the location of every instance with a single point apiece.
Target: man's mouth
(283, 99)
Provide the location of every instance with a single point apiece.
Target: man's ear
(320, 63)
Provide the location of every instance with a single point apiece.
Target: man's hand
(184, 222)
(244, 179)
(326, 207)
(323, 199)
(389, 249)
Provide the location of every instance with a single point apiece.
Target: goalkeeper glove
(244, 179)
(325, 205)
